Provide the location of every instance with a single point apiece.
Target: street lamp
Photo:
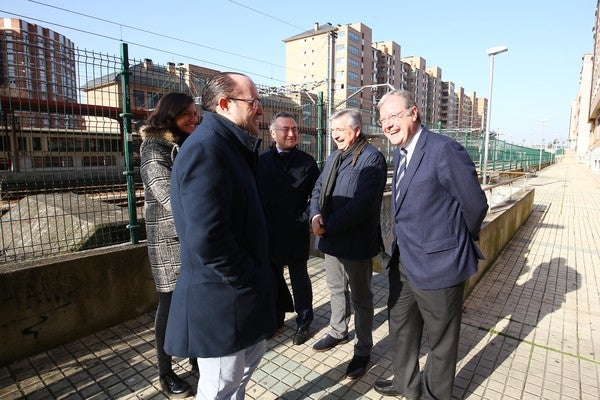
(491, 52)
(542, 145)
(181, 70)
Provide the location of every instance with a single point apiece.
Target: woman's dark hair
(169, 107)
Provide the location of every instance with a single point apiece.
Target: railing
(69, 158)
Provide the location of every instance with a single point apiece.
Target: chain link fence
(69, 162)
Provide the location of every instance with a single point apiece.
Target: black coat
(352, 224)
(285, 186)
(224, 299)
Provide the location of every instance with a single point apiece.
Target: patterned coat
(158, 152)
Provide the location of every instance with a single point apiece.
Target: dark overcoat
(352, 225)
(286, 183)
(224, 299)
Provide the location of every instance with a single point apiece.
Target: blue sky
(537, 79)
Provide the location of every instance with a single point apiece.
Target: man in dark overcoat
(223, 305)
(286, 176)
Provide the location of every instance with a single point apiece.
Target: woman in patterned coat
(170, 123)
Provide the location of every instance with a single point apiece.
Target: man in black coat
(223, 306)
(286, 176)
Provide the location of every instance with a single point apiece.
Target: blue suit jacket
(438, 215)
(223, 301)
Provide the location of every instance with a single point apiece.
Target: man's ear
(223, 104)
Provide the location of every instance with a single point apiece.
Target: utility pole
(330, 85)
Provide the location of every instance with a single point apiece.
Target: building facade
(39, 65)
(352, 70)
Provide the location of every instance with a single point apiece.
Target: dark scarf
(329, 182)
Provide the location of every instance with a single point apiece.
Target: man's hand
(317, 225)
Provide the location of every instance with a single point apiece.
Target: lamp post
(542, 145)
(180, 68)
(491, 52)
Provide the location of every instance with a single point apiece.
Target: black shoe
(329, 342)
(358, 366)
(194, 364)
(301, 336)
(174, 386)
(386, 387)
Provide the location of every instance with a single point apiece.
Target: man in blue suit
(437, 210)
(223, 306)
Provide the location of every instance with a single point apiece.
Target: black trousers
(160, 327)
(302, 293)
(410, 310)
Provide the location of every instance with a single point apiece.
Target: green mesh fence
(62, 146)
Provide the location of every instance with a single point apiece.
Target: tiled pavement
(530, 328)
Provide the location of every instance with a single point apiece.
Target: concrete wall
(56, 300)
(53, 301)
(498, 229)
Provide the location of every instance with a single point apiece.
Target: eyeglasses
(286, 129)
(338, 130)
(393, 118)
(254, 102)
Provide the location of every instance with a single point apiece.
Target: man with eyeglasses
(223, 305)
(345, 215)
(286, 177)
(437, 210)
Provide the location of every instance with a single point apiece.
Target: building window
(4, 143)
(21, 143)
(138, 98)
(353, 36)
(352, 103)
(152, 99)
(36, 143)
(354, 50)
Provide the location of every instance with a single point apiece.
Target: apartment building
(337, 60)
(434, 95)
(38, 65)
(352, 70)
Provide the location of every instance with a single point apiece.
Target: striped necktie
(401, 170)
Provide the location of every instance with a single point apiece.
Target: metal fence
(69, 176)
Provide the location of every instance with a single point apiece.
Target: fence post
(128, 144)
(320, 105)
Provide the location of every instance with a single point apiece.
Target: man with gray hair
(345, 211)
(437, 210)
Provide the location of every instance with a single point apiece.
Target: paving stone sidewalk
(530, 328)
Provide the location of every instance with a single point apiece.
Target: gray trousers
(225, 378)
(349, 283)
